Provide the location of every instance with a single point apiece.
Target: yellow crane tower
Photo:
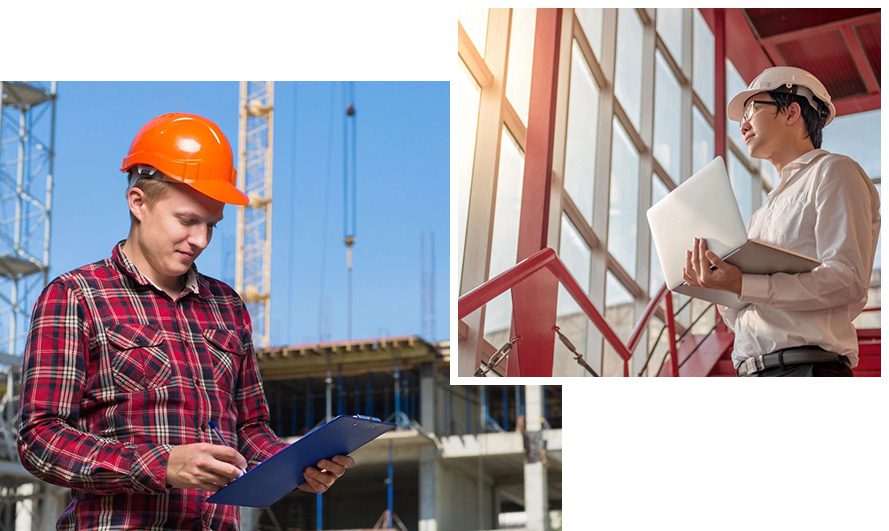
(253, 240)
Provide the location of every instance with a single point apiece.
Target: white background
(652, 454)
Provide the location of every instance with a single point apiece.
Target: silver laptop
(704, 206)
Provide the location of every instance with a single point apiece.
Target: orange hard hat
(189, 149)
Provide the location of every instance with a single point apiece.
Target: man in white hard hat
(825, 206)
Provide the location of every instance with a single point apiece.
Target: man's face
(759, 126)
(177, 228)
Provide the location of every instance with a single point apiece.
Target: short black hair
(813, 119)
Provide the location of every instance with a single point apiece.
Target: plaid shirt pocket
(138, 358)
(227, 352)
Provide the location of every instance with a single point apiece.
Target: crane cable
(349, 191)
(327, 180)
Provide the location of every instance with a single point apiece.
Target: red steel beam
(671, 330)
(856, 50)
(580, 297)
(534, 301)
(814, 31)
(537, 180)
(490, 289)
(719, 115)
(719, 70)
(743, 46)
(643, 320)
(545, 263)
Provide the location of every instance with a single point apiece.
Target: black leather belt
(785, 357)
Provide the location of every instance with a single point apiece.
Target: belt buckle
(751, 365)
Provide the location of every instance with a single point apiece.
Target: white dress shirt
(825, 207)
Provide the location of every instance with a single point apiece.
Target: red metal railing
(546, 262)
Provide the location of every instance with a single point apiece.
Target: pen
(218, 433)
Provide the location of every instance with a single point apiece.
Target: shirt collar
(798, 163)
(194, 282)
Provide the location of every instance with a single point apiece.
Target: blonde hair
(154, 189)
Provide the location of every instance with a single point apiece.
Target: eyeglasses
(748, 112)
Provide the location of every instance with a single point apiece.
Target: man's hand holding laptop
(703, 268)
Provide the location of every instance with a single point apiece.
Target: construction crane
(253, 239)
(27, 154)
(349, 194)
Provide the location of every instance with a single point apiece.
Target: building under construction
(462, 457)
(470, 457)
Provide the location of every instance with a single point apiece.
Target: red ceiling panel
(869, 35)
(827, 57)
(769, 22)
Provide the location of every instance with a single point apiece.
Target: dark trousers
(831, 368)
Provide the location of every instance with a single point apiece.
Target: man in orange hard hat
(129, 361)
(825, 206)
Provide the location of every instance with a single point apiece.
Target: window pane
(623, 202)
(521, 54)
(576, 254)
(466, 99)
(699, 308)
(591, 22)
(619, 310)
(475, 23)
(734, 84)
(679, 301)
(666, 102)
(580, 149)
(504, 242)
(704, 57)
(854, 135)
(742, 185)
(702, 142)
(669, 26)
(656, 276)
(498, 320)
(628, 74)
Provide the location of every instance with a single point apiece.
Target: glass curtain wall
(635, 117)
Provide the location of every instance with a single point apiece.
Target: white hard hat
(784, 79)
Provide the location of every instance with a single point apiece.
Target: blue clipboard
(278, 475)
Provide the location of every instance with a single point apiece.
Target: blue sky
(403, 190)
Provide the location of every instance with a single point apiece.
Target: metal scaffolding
(27, 148)
(253, 245)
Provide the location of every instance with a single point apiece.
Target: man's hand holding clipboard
(295, 466)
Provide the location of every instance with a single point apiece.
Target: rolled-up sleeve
(53, 380)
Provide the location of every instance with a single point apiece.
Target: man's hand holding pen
(211, 466)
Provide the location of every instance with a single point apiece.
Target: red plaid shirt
(116, 373)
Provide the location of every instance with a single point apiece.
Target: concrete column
(24, 509)
(31, 515)
(250, 517)
(536, 501)
(427, 398)
(53, 504)
(429, 478)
